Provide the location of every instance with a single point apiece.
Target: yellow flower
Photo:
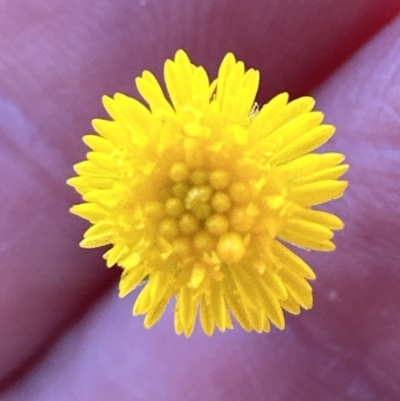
(196, 195)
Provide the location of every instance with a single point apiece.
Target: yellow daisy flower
(196, 195)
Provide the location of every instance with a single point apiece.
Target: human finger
(345, 347)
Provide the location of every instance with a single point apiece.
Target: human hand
(63, 331)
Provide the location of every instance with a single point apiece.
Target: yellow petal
(259, 126)
(187, 310)
(305, 143)
(152, 93)
(237, 310)
(136, 118)
(245, 285)
(218, 305)
(89, 169)
(112, 131)
(143, 302)
(89, 211)
(298, 169)
(306, 229)
(297, 239)
(284, 257)
(98, 235)
(272, 283)
(99, 144)
(130, 279)
(290, 305)
(322, 218)
(277, 116)
(207, 319)
(315, 193)
(85, 184)
(155, 313)
(273, 310)
(298, 287)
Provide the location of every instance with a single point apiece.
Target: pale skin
(64, 334)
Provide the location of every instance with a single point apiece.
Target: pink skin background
(64, 334)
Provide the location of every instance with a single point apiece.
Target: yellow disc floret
(231, 248)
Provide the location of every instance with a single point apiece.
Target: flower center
(209, 211)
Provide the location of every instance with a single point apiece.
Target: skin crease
(57, 59)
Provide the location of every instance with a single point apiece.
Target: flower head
(196, 195)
